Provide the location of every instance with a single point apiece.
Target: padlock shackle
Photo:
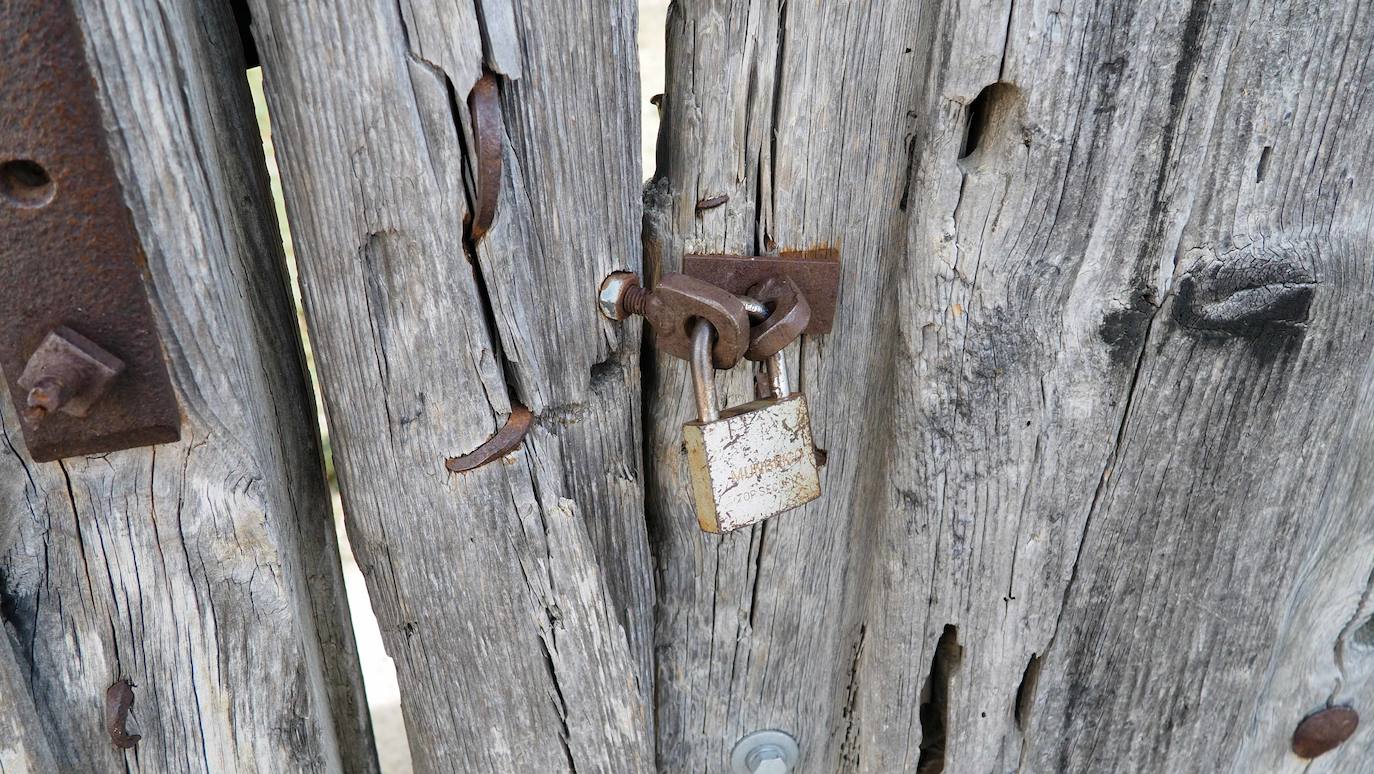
(777, 376)
(704, 371)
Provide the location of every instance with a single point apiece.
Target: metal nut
(614, 289)
(765, 752)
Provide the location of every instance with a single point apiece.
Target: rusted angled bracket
(816, 273)
(78, 345)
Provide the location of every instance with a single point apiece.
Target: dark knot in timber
(1263, 289)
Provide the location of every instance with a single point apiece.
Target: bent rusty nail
(506, 440)
(484, 104)
(119, 697)
(712, 202)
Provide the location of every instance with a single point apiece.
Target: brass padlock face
(756, 461)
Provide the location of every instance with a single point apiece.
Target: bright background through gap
(379, 673)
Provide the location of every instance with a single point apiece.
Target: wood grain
(1094, 495)
(205, 571)
(516, 598)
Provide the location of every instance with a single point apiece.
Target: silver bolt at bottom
(765, 752)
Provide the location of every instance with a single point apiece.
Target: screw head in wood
(1324, 730)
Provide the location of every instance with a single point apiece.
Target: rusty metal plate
(69, 254)
(816, 272)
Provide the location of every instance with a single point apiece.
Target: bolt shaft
(635, 299)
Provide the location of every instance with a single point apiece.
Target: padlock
(752, 461)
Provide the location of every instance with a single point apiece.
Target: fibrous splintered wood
(1094, 405)
(515, 597)
(204, 571)
(24, 746)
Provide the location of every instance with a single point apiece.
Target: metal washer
(781, 740)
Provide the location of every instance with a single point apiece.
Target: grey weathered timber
(515, 598)
(24, 748)
(206, 570)
(1097, 404)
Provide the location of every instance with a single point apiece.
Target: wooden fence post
(1092, 403)
(206, 571)
(515, 597)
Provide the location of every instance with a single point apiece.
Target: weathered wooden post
(1095, 404)
(205, 570)
(1096, 410)
(515, 595)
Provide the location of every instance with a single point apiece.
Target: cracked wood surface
(1096, 405)
(516, 597)
(205, 571)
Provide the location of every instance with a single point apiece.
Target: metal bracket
(78, 344)
(816, 272)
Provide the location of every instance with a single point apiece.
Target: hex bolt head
(67, 372)
(768, 759)
(765, 752)
(1324, 730)
(620, 296)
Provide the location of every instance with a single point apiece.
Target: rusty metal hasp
(78, 345)
(815, 272)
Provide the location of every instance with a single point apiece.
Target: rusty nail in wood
(506, 440)
(712, 202)
(1323, 730)
(484, 105)
(119, 698)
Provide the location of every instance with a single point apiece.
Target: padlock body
(754, 462)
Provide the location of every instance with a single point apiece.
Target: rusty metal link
(816, 272)
(677, 301)
(484, 105)
(786, 315)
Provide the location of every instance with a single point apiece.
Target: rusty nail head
(712, 202)
(67, 372)
(119, 699)
(1324, 730)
